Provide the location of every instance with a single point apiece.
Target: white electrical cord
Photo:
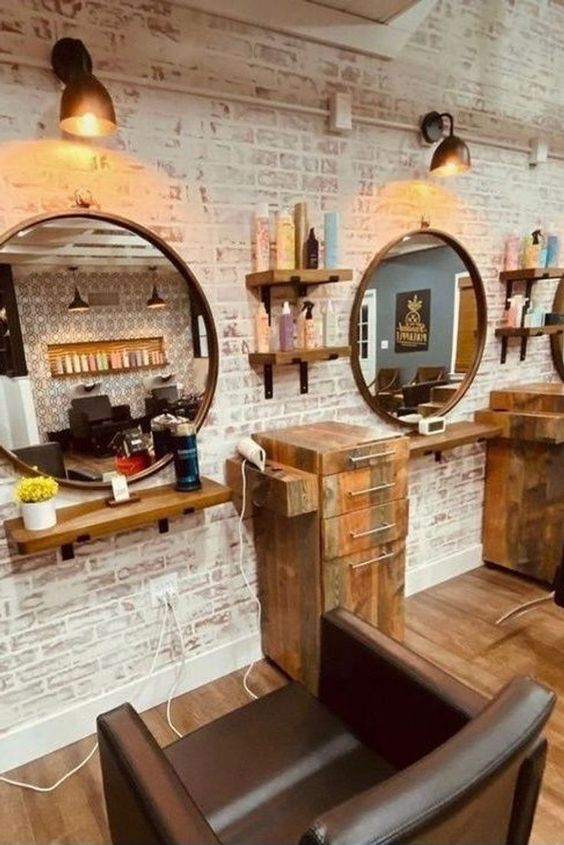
(181, 666)
(91, 753)
(252, 593)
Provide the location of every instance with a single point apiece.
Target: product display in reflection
(556, 318)
(418, 326)
(87, 392)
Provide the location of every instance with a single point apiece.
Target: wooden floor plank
(452, 624)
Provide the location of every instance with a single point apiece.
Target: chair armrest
(145, 799)
(83, 475)
(479, 782)
(397, 703)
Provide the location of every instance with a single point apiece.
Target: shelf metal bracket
(268, 387)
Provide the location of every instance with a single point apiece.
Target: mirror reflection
(418, 328)
(557, 340)
(103, 343)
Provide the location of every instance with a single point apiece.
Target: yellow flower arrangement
(38, 489)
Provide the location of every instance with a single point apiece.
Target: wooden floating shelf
(301, 357)
(321, 276)
(531, 274)
(528, 331)
(83, 522)
(456, 434)
(110, 371)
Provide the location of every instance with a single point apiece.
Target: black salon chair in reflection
(48, 458)
(418, 394)
(168, 400)
(94, 422)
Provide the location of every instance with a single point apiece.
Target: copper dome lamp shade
(86, 109)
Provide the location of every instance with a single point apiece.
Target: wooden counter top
(456, 434)
(79, 523)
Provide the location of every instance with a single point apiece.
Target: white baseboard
(42, 736)
(441, 570)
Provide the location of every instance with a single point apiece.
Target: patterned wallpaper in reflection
(43, 299)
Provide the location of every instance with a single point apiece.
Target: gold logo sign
(412, 330)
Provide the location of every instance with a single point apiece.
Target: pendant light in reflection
(155, 300)
(86, 109)
(451, 155)
(77, 303)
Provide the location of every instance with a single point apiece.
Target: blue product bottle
(186, 457)
(552, 251)
(332, 239)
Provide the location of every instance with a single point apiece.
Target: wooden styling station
(330, 518)
(524, 504)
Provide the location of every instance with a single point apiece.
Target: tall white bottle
(329, 325)
(262, 238)
(285, 241)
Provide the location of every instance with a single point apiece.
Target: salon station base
(330, 518)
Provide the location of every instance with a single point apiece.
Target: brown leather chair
(393, 751)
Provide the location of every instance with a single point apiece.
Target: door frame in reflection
(368, 361)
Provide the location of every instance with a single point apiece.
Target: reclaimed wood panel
(363, 529)
(370, 585)
(538, 426)
(529, 397)
(350, 491)
(524, 507)
(285, 490)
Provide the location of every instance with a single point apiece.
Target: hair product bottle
(512, 252)
(332, 239)
(186, 457)
(552, 250)
(285, 241)
(262, 329)
(262, 238)
(532, 252)
(329, 325)
(286, 328)
(300, 328)
(310, 332)
(301, 227)
(312, 251)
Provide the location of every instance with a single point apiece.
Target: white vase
(37, 516)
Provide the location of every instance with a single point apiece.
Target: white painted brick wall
(193, 169)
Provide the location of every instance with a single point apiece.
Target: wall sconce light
(155, 300)
(452, 154)
(86, 106)
(77, 303)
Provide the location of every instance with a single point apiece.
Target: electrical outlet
(384, 344)
(162, 586)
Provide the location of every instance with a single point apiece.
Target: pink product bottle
(512, 256)
(286, 327)
(92, 366)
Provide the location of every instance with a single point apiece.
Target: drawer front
(363, 529)
(360, 488)
(369, 584)
(368, 454)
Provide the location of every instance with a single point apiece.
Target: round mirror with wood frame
(104, 333)
(418, 327)
(557, 340)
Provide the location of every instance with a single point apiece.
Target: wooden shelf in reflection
(83, 522)
(110, 371)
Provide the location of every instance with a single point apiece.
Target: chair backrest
(167, 393)
(146, 801)
(47, 457)
(388, 378)
(95, 408)
(479, 788)
(430, 373)
(417, 394)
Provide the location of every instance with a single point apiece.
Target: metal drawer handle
(372, 489)
(356, 535)
(373, 560)
(354, 459)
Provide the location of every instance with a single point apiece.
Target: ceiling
(375, 27)
(380, 11)
(81, 243)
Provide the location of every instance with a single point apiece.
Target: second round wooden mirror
(418, 327)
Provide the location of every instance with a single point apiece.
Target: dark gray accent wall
(428, 269)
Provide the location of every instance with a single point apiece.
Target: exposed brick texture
(193, 169)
